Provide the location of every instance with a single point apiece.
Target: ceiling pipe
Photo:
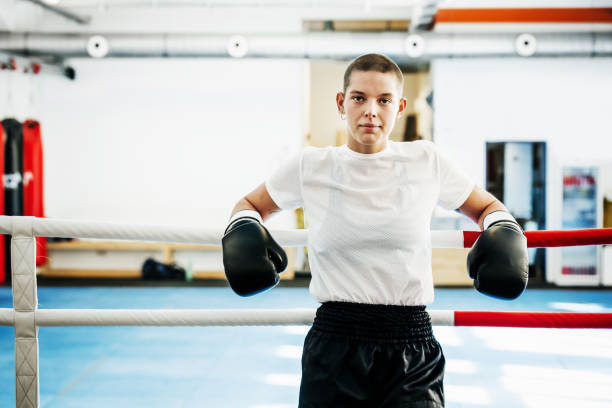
(404, 47)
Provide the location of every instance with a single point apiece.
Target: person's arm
(498, 259)
(252, 259)
(257, 200)
(479, 204)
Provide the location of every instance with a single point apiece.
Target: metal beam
(66, 14)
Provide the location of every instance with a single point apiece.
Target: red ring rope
(540, 239)
(534, 319)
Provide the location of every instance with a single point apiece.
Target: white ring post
(25, 302)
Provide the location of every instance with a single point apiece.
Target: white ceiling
(233, 16)
(132, 26)
(185, 16)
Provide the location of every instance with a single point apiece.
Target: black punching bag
(3, 277)
(13, 178)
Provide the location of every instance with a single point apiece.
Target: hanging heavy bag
(3, 277)
(12, 178)
(33, 181)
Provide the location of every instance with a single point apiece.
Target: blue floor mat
(259, 367)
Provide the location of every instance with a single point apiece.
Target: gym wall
(561, 101)
(167, 141)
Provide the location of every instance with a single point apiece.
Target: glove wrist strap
(245, 214)
(497, 216)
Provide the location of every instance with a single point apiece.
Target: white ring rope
(280, 317)
(49, 227)
(183, 317)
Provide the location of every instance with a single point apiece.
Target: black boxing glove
(498, 261)
(251, 257)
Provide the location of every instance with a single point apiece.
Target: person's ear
(340, 102)
(401, 107)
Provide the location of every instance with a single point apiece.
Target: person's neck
(367, 149)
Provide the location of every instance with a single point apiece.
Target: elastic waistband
(378, 323)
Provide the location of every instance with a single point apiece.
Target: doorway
(516, 175)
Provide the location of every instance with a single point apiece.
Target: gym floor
(259, 367)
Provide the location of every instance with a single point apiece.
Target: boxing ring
(25, 317)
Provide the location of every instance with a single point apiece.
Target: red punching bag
(33, 181)
(3, 275)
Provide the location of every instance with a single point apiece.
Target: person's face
(372, 103)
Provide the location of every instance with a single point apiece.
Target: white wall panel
(563, 101)
(166, 141)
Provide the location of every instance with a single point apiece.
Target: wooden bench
(121, 259)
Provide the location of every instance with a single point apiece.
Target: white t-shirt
(368, 217)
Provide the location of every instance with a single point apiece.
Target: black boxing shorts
(359, 355)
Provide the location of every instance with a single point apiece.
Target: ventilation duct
(403, 47)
